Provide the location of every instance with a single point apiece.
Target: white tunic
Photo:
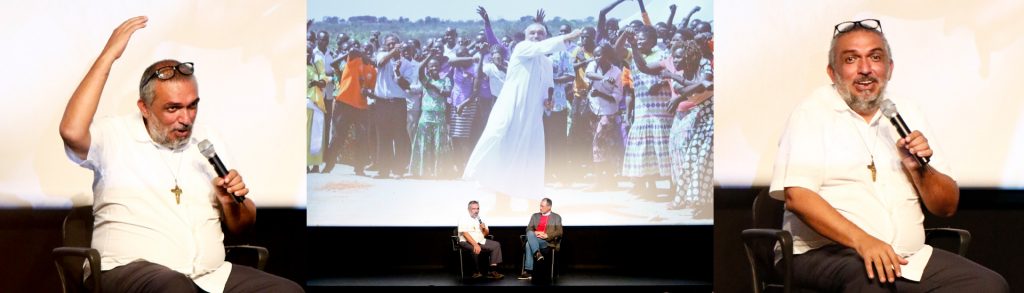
(509, 157)
(136, 215)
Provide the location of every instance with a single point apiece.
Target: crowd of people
(631, 103)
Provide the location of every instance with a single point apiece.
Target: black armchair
(766, 230)
(77, 239)
(544, 272)
(464, 256)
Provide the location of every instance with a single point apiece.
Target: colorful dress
(315, 114)
(462, 123)
(695, 176)
(693, 152)
(431, 143)
(647, 142)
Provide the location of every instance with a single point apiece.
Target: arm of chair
(963, 235)
(751, 239)
(261, 253)
(62, 254)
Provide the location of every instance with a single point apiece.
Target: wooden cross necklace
(176, 190)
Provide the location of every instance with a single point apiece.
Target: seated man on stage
(854, 188)
(472, 237)
(545, 225)
(158, 204)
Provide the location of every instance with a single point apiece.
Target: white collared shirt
(386, 86)
(827, 147)
(599, 105)
(471, 225)
(136, 215)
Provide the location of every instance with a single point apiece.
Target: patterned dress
(647, 142)
(431, 143)
(695, 155)
(462, 123)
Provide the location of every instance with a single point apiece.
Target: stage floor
(577, 279)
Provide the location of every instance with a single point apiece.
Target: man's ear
(892, 65)
(142, 108)
(831, 73)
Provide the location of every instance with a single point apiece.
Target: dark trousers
(556, 140)
(143, 276)
(346, 116)
(836, 268)
(490, 246)
(393, 144)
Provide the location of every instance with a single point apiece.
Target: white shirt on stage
(827, 148)
(509, 157)
(136, 214)
(471, 225)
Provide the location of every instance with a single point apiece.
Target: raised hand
(540, 16)
(119, 38)
(483, 14)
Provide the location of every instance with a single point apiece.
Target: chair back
(767, 213)
(77, 229)
(76, 233)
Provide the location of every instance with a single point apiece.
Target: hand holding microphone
(206, 148)
(922, 156)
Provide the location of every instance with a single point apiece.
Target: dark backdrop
(27, 236)
(299, 253)
(678, 252)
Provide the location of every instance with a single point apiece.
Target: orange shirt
(356, 76)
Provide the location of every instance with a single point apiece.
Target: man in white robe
(509, 158)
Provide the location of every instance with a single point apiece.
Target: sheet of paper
(914, 269)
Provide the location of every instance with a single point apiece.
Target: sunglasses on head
(167, 72)
(846, 26)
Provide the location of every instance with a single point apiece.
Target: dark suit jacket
(554, 228)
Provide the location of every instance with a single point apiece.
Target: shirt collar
(836, 103)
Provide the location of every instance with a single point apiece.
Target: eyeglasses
(167, 72)
(846, 26)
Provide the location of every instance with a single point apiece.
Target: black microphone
(206, 148)
(889, 110)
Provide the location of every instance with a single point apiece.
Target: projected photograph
(604, 107)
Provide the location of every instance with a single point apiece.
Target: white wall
(959, 61)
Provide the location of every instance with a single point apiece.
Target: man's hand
(574, 34)
(917, 144)
(483, 14)
(119, 38)
(229, 187)
(74, 125)
(879, 257)
(476, 248)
